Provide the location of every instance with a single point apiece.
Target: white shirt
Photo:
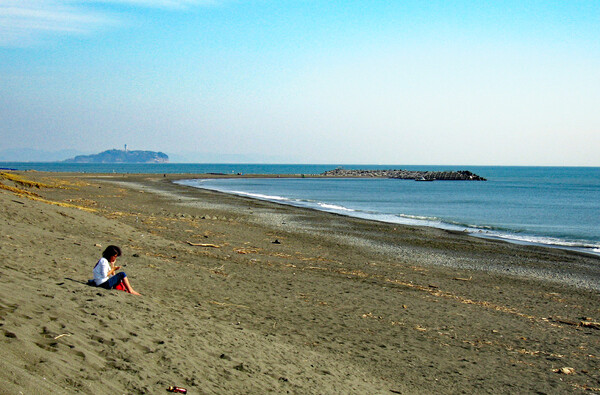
(101, 271)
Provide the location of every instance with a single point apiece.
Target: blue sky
(400, 82)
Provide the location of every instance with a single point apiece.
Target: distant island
(417, 175)
(121, 156)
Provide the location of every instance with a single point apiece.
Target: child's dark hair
(111, 251)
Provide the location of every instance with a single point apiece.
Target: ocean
(551, 206)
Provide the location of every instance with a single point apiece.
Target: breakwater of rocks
(418, 175)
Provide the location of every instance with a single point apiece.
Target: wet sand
(241, 296)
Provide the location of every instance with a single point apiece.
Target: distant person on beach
(105, 268)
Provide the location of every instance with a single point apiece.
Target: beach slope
(242, 296)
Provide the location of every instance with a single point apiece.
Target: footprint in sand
(79, 354)
(48, 346)
(102, 340)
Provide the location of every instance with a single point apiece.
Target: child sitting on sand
(104, 270)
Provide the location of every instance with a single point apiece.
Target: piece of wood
(228, 304)
(203, 245)
(463, 279)
(590, 324)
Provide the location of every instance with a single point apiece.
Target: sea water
(557, 207)
(554, 206)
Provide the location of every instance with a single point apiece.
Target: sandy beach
(241, 296)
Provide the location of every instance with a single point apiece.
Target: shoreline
(582, 282)
(470, 230)
(585, 251)
(247, 296)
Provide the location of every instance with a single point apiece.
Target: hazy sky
(306, 81)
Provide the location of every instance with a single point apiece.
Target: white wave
(419, 217)
(259, 196)
(334, 207)
(551, 241)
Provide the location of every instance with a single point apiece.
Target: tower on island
(125, 147)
